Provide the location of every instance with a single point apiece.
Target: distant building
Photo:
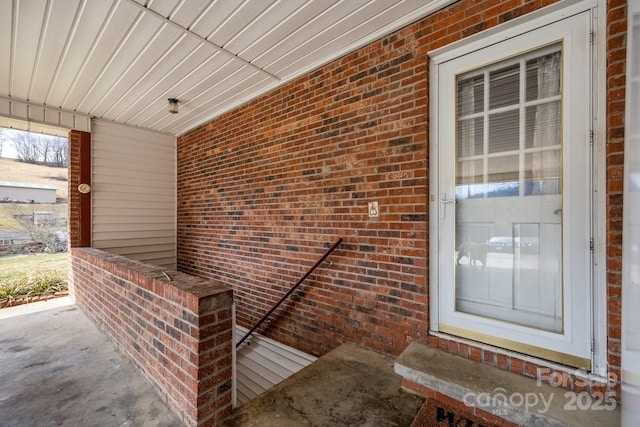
(20, 192)
(14, 238)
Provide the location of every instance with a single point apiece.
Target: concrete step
(349, 386)
(499, 396)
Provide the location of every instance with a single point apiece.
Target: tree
(37, 148)
(46, 228)
(44, 144)
(27, 147)
(1, 141)
(59, 152)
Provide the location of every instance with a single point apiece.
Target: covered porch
(298, 123)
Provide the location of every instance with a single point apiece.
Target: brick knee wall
(178, 333)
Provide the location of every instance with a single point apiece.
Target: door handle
(442, 200)
(443, 203)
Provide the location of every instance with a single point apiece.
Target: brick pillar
(79, 204)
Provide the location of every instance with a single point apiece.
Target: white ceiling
(121, 59)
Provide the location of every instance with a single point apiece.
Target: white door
(514, 176)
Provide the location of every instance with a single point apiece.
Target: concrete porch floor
(58, 369)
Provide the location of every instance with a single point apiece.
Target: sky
(8, 152)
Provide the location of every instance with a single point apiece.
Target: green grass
(7, 221)
(32, 275)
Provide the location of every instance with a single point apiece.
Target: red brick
(418, 388)
(487, 416)
(155, 335)
(517, 366)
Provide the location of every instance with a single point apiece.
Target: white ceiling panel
(237, 23)
(175, 54)
(111, 36)
(87, 23)
(30, 15)
(136, 65)
(341, 36)
(164, 79)
(131, 49)
(207, 23)
(120, 60)
(311, 27)
(206, 76)
(51, 50)
(236, 89)
(264, 26)
(282, 29)
(187, 12)
(6, 46)
(163, 7)
(334, 36)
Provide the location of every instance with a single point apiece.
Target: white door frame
(495, 35)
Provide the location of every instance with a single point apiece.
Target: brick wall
(264, 189)
(460, 408)
(178, 333)
(616, 76)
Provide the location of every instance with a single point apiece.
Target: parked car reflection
(501, 244)
(507, 244)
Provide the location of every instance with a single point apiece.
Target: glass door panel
(509, 251)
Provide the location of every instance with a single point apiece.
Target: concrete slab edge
(470, 398)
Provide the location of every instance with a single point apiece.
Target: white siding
(263, 364)
(134, 193)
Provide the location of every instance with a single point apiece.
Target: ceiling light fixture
(173, 106)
